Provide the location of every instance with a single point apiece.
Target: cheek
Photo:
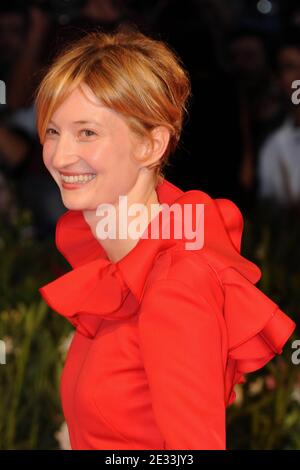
(116, 168)
(47, 155)
(111, 156)
(94, 155)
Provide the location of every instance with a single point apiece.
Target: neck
(143, 192)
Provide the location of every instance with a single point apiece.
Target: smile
(78, 179)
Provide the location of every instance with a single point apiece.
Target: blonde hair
(140, 77)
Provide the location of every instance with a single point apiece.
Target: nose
(65, 152)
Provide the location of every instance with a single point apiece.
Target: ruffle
(96, 288)
(88, 294)
(233, 221)
(257, 329)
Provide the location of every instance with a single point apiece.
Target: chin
(74, 207)
(74, 203)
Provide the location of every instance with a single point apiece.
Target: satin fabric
(162, 336)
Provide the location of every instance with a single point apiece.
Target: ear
(155, 147)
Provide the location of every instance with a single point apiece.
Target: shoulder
(187, 270)
(183, 303)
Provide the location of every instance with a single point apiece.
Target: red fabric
(163, 335)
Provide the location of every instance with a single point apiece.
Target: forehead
(81, 96)
(82, 106)
(79, 100)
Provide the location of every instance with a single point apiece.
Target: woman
(166, 322)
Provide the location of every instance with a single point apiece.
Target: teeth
(78, 178)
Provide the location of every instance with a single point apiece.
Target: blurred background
(241, 141)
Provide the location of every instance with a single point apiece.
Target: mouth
(74, 181)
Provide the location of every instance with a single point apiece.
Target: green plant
(30, 410)
(270, 418)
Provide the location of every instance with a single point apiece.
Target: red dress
(163, 335)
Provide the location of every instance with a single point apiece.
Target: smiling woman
(106, 133)
(163, 331)
(104, 155)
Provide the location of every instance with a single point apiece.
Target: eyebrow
(79, 122)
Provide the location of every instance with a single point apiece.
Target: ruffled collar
(97, 288)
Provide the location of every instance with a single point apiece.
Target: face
(90, 152)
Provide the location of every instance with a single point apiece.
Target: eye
(49, 131)
(88, 132)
